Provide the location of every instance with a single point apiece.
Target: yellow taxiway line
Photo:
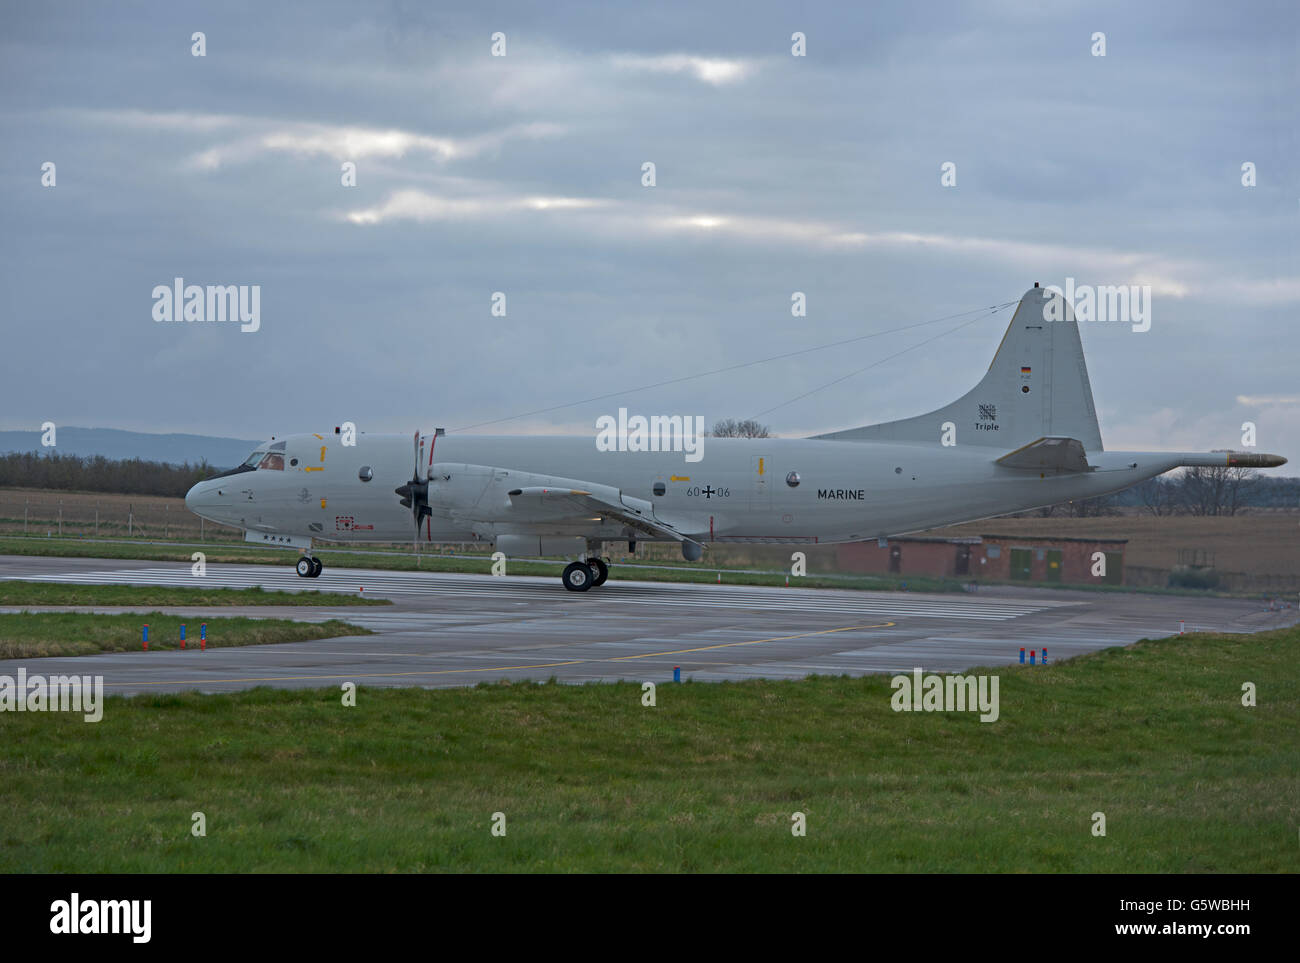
(497, 668)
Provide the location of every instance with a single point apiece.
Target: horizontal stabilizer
(1048, 454)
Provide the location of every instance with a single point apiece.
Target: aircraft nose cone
(204, 497)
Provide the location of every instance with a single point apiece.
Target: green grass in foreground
(375, 557)
(480, 564)
(62, 593)
(1153, 735)
(26, 635)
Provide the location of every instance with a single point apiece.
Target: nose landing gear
(308, 567)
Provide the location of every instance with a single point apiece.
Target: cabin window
(792, 479)
(659, 488)
(366, 473)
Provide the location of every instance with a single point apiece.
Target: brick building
(1009, 558)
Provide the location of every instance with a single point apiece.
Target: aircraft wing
(505, 497)
(1048, 454)
(635, 513)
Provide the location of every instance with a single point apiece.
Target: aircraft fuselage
(740, 490)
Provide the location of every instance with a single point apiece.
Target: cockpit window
(262, 458)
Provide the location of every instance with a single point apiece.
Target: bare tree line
(132, 476)
(1196, 491)
(733, 428)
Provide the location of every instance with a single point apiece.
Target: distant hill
(116, 444)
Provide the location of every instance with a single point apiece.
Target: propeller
(415, 493)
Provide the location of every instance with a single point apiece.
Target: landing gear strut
(308, 567)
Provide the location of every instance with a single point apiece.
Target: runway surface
(450, 629)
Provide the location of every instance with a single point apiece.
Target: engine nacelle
(530, 546)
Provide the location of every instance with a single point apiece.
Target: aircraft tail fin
(1036, 387)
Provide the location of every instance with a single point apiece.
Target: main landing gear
(580, 576)
(308, 567)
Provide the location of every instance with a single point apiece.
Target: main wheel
(577, 577)
(599, 569)
(305, 567)
(317, 567)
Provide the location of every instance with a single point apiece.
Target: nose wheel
(309, 567)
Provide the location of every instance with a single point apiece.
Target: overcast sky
(522, 174)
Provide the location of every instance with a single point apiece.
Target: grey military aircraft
(1024, 437)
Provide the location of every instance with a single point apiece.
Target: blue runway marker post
(1044, 657)
(677, 673)
(182, 635)
(1031, 656)
(203, 637)
(1022, 655)
(146, 638)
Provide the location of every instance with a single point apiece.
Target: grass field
(479, 564)
(62, 593)
(1154, 736)
(482, 564)
(26, 635)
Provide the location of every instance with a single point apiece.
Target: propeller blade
(415, 493)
